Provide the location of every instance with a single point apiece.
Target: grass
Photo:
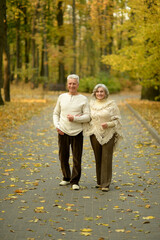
(25, 103)
(149, 110)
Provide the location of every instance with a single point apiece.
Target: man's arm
(56, 117)
(85, 116)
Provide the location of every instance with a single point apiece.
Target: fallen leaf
(88, 218)
(120, 230)
(146, 222)
(86, 234)
(9, 170)
(148, 206)
(86, 230)
(70, 204)
(60, 229)
(149, 217)
(39, 210)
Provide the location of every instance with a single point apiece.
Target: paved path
(34, 207)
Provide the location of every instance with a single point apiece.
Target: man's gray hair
(102, 86)
(74, 76)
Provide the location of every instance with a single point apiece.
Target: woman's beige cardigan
(104, 111)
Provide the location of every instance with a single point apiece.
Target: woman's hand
(104, 125)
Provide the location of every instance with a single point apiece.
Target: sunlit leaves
(86, 231)
(39, 210)
(149, 217)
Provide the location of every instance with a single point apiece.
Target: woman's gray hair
(102, 86)
(74, 76)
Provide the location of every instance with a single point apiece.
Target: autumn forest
(43, 41)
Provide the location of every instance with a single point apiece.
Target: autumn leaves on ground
(34, 206)
(26, 102)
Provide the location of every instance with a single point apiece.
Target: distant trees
(48, 39)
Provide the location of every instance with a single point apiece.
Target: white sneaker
(105, 189)
(64, 183)
(75, 187)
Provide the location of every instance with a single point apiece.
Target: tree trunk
(26, 40)
(61, 79)
(35, 50)
(6, 60)
(18, 38)
(2, 32)
(44, 61)
(74, 37)
(151, 93)
(80, 50)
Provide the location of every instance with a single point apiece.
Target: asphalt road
(33, 206)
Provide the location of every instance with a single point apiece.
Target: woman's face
(100, 93)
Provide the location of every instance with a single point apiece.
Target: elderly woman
(105, 132)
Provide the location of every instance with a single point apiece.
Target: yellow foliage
(140, 54)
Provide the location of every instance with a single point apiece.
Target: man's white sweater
(76, 105)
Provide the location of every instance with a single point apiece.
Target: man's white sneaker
(64, 183)
(75, 187)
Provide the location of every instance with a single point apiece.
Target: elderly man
(71, 111)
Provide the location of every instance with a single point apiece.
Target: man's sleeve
(56, 114)
(85, 117)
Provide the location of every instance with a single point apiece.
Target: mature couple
(73, 117)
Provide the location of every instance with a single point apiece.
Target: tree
(61, 79)
(18, 40)
(6, 62)
(141, 56)
(74, 36)
(35, 48)
(102, 24)
(44, 57)
(2, 32)
(26, 39)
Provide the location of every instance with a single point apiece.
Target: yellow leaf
(88, 218)
(86, 197)
(12, 185)
(55, 151)
(9, 170)
(60, 229)
(39, 210)
(70, 204)
(37, 164)
(105, 224)
(85, 233)
(98, 217)
(86, 230)
(148, 206)
(120, 230)
(19, 191)
(149, 217)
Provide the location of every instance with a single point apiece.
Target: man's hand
(59, 131)
(104, 125)
(70, 117)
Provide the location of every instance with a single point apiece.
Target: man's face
(72, 86)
